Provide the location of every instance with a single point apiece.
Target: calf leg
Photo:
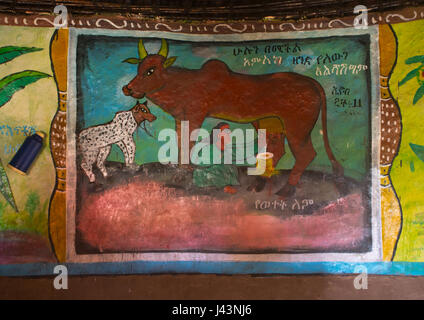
(88, 158)
(130, 147)
(123, 148)
(127, 145)
(101, 158)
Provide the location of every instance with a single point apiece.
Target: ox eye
(149, 72)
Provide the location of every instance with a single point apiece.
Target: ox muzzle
(127, 91)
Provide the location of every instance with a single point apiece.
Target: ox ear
(168, 62)
(132, 60)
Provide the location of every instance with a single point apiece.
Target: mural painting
(217, 148)
(307, 95)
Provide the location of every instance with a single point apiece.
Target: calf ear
(168, 62)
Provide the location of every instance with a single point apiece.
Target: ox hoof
(287, 191)
(181, 177)
(258, 185)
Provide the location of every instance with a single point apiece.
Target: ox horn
(142, 53)
(163, 49)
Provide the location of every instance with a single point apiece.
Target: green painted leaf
(419, 94)
(418, 150)
(132, 60)
(11, 52)
(5, 189)
(410, 75)
(415, 59)
(17, 81)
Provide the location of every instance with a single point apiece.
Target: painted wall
(206, 223)
(29, 109)
(408, 167)
(146, 213)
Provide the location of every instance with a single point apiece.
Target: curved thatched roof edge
(191, 11)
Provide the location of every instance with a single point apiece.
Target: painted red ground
(149, 216)
(18, 247)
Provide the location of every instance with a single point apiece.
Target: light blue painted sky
(101, 76)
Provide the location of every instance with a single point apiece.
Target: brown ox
(285, 104)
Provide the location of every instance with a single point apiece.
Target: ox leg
(304, 153)
(274, 143)
(185, 151)
(183, 175)
(101, 158)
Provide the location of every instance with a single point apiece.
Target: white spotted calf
(94, 143)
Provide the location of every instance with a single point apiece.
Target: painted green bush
(33, 218)
(12, 83)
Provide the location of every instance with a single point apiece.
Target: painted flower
(417, 73)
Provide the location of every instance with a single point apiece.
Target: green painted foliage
(418, 150)
(415, 59)
(17, 81)
(410, 75)
(415, 74)
(418, 95)
(32, 203)
(5, 189)
(11, 52)
(33, 218)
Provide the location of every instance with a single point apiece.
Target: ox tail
(337, 167)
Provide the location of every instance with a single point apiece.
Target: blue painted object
(27, 153)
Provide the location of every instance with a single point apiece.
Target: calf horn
(164, 49)
(142, 53)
